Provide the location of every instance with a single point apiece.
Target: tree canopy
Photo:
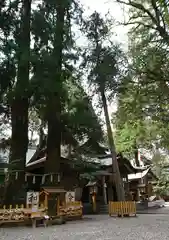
(43, 71)
(143, 95)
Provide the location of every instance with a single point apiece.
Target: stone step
(103, 209)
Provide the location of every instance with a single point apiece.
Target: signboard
(32, 198)
(70, 196)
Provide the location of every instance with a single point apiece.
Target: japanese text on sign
(32, 198)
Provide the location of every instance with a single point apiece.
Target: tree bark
(52, 164)
(19, 106)
(115, 168)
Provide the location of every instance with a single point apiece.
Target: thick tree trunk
(115, 168)
(52, 164)
(19, 108)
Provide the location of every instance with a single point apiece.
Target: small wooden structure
(51, 205)
(122, 209)
(140, 184)
(52, 198)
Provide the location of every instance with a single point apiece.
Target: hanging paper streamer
(58, 177)
(25, 178)
(34, 180)
(43, 179)
(51, 177)
(16, 175)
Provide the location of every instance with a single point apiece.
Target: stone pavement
(163, 210)
(100, 227)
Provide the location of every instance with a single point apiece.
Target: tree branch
(140, 7)
(157, 13)
(139, 24)
(155, 19)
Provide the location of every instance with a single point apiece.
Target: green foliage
(149, 20)
(160, 167)
(142, 116)
(77, 115)
(78, 119)
(102, 58)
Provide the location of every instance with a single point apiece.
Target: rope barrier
(27, 174)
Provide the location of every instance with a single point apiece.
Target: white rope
(58, 177)
(41, 175)
(27, 174)
(43, 179)
(16, 175)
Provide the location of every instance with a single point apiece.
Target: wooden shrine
(54, 200)
(51, 198)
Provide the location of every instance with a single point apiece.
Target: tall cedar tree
(20, 103)
(52, 164)
(103, 75)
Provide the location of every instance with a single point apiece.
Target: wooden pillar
(58, 206)
(127, 189)
(138, 194)
(46, 201)
(147, 187)
(94, 202)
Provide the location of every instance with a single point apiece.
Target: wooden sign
(32, 198)
(70, 196)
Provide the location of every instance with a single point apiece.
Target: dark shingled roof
(92, 150)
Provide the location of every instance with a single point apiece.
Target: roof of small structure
(142, 174)
(91, 147)
(138, 175)
(124, 164)
(53, 190)
(91, 184)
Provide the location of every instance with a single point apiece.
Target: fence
(20, 213)
(17, 213)
(122, 208)
(71, 209)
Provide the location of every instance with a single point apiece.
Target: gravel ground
(100, 227)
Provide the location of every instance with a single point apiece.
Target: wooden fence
(71, 209)
(17, 213)
(122, 209)
(21, 213)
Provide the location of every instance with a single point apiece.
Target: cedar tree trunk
(116, 173)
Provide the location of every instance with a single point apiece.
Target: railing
(122, 208)
(17, 213)
(21, 213)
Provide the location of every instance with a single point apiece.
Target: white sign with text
(32, 198)
(70, 196)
